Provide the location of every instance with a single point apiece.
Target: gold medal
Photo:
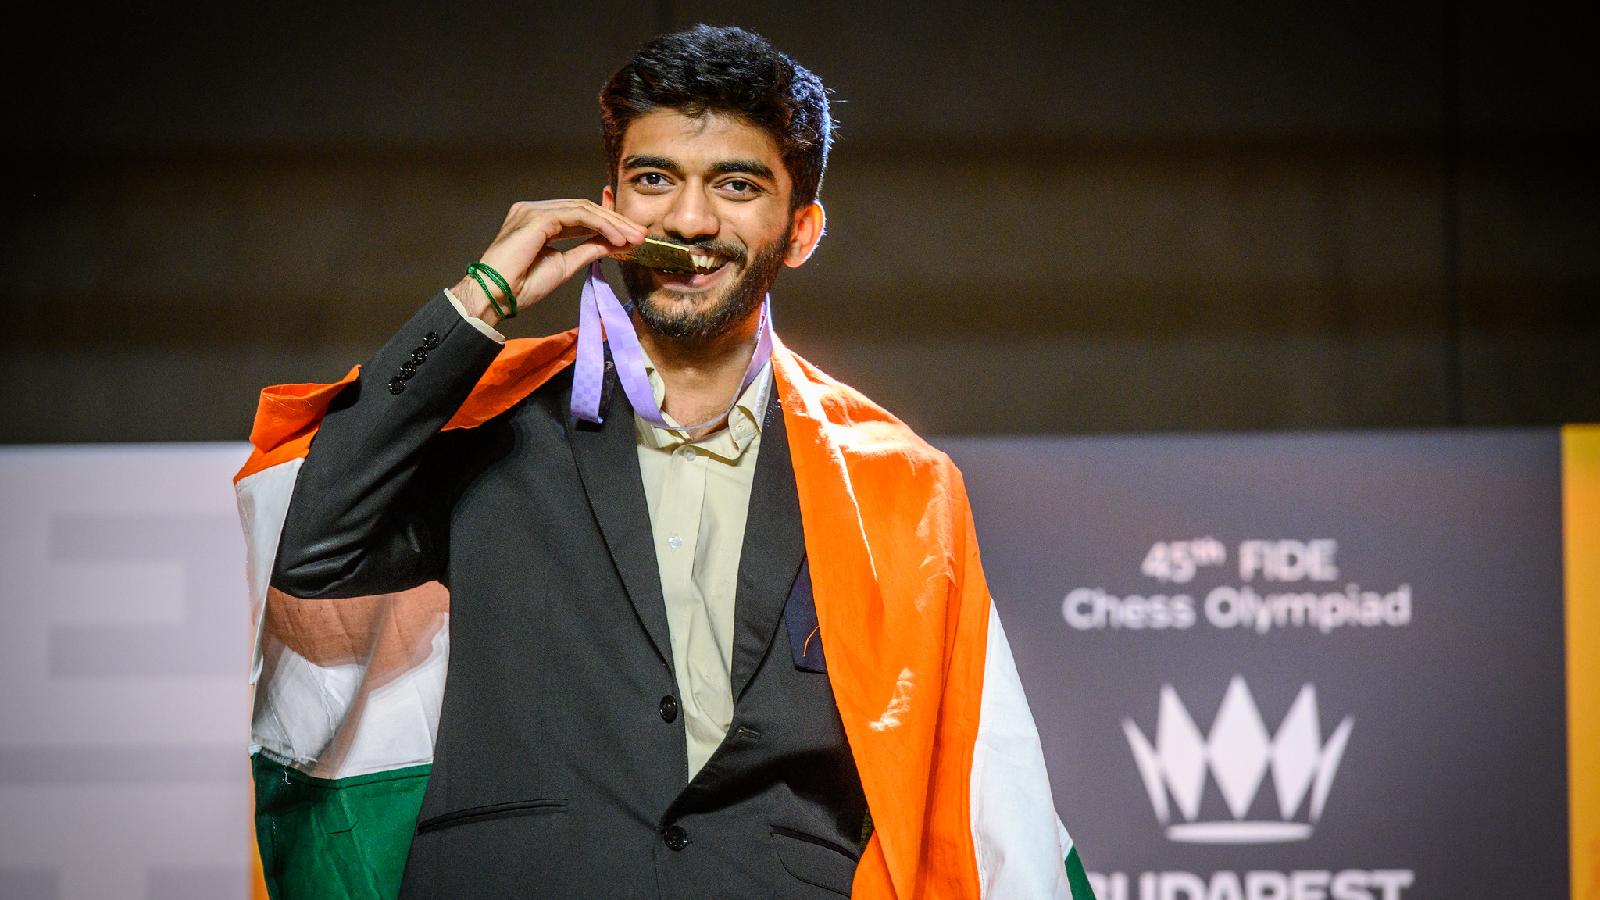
(669, 257)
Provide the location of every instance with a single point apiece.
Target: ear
(608, 198)
(809, 223)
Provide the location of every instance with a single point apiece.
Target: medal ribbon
(599, 308)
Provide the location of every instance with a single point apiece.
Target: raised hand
(523, 255)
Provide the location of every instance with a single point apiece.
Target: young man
(717, 625)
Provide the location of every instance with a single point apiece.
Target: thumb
(579, 257)
(553, 267)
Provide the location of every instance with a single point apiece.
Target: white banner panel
(124, 653)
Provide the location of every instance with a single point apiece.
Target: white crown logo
(1238, 751)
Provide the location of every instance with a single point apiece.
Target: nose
(691, 215)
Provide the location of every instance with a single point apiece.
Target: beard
(701, 326)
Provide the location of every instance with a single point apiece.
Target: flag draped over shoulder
(348, 691)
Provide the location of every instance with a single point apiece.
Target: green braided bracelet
(477, 271)
(500, 281)
(483, 286)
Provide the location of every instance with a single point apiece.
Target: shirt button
(675, 837)
(689, 454)
(675, 542)
(669, 708)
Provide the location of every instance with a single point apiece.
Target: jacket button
(419, 356)
(669, 708)
(408, 369)
(431, 341)
(675, 838)
(397, 385)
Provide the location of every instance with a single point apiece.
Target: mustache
(734, 253)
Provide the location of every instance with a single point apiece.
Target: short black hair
(733, 72)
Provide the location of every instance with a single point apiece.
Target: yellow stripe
(1580, 451)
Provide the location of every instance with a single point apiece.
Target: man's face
(718, 184)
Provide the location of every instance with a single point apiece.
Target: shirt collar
(728, 444)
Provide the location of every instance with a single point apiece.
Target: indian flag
(346, 708)
(348, 692)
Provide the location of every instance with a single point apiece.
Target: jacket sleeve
(361, 520)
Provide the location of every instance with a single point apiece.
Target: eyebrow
(652, 162)
(751, 167)
(742, 167)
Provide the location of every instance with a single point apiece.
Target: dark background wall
(1066, 217)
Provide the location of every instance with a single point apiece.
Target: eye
(741, 188)
(651, 181)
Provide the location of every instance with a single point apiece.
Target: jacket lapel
(774, 546)
(608, 463)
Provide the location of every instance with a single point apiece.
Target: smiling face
(718, 184)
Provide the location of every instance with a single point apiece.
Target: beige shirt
(699, 497)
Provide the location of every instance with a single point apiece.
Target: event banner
(1293, 667)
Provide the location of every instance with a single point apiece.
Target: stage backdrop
(1323, 667)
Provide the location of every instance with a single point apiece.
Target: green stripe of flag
(343, 839)
(1076, 878)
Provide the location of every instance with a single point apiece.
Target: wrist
(476, 302)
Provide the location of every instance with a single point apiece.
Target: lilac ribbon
(600, 305)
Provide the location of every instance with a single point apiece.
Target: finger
(584, 231)
(628, 225)
(555, 220)
(625, 224)
(616, 228)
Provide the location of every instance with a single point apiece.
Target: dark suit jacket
(560, 766)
